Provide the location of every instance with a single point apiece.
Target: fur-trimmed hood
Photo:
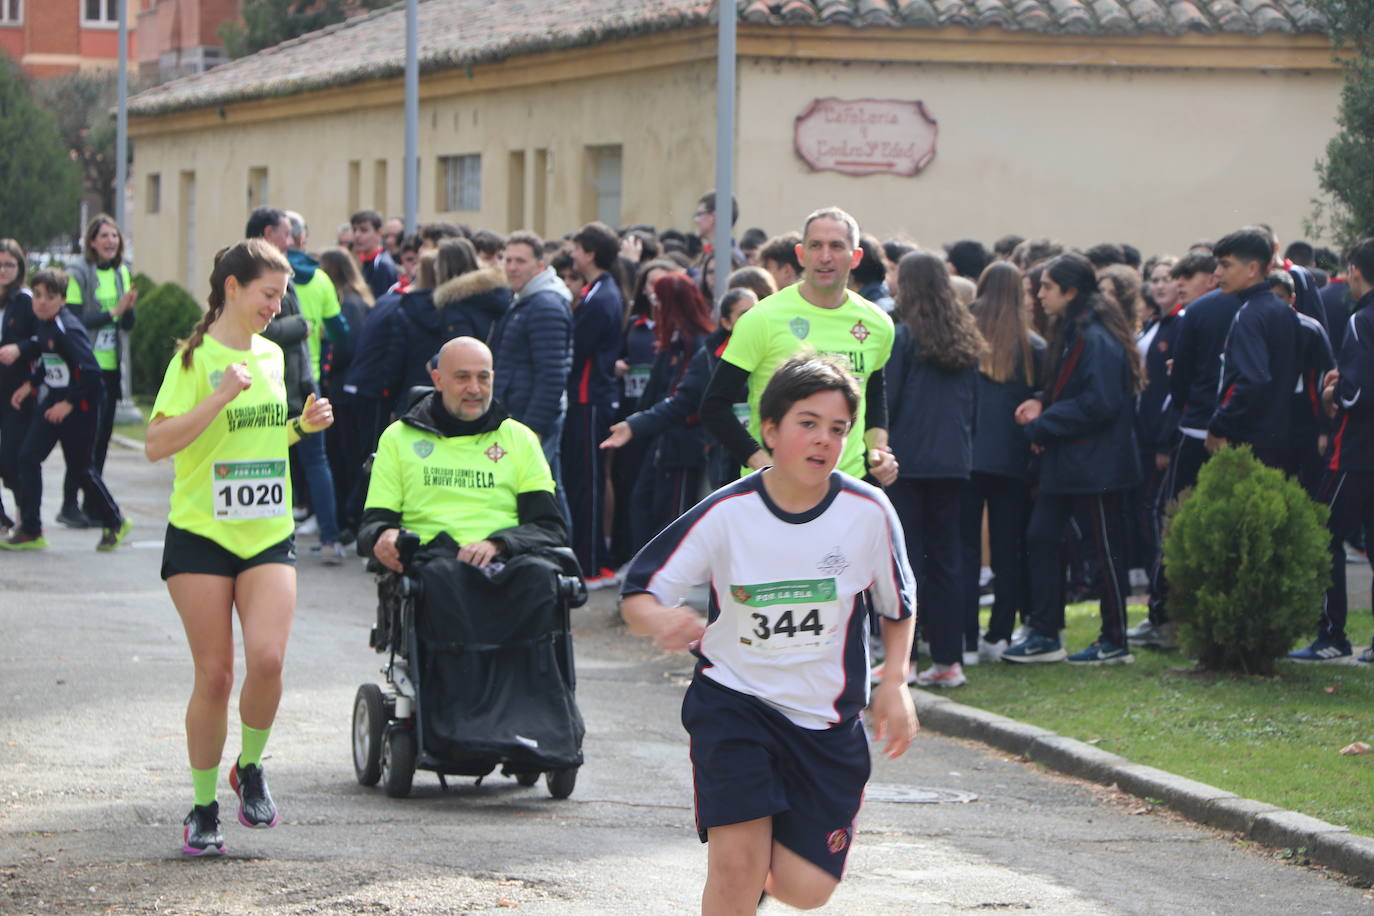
(468, 285)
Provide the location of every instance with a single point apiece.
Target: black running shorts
(184, 552)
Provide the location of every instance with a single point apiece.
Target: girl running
(230, 543)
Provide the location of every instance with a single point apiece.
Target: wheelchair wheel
(526, 779)
(398, 762)
(369, 723)
(561, 782)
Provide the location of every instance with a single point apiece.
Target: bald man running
(456, 466)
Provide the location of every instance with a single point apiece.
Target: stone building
(1148, 121)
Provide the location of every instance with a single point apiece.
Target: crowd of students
(1040, 406)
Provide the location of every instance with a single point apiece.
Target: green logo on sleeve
(423, 448)
(216, 377)
(792, 591)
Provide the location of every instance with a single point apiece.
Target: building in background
(1153, 122)
(53, 37)
(179, 37)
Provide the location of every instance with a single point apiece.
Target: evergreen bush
(165, 315)
(1247, 559)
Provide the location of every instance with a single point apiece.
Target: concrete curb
(1325, 844)
(132, 445)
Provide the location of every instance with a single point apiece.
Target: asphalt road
(94, 675)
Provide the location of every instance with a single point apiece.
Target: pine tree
(1346, 173)
(40, 185)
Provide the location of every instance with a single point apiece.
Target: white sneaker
(1020, 634)
(971, 658)
(332, 554)
(1139, 578)
(991, 651)
(984, 576)
(942, 676)
(308, 527)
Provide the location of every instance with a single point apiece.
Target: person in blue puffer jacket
(1082, 424)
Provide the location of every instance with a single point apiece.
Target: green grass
(137, 431)
(1274, 739)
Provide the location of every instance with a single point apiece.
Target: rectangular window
(540, 206)
(100, 12)
(152, 198)
(515, 194)
(11, 12)
(603, 184)
(379, 186)
(355, 182)
(257, 187)
(460, 182)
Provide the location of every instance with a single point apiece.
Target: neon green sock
(205, 782)
(254, 740)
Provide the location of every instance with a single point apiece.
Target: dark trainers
(1035, 648)
(22, 540)
(256, 808)
(113, 537)
(1325, 650)
(202, 834)
(1102, 653)
(73, 517)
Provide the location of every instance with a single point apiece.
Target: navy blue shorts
(750, 761)
(184, 552)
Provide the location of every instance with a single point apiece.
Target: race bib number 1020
(797, 614)
(249, 489)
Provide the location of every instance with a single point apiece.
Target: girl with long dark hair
(1000, 479)
(1082, 426)
(16, 332)
(932, 381)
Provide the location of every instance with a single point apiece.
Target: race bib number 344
(249, 489)
(798, 614)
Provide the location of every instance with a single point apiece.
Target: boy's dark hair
(1280, 278)
(752, 239)
(412, 242)
(648, 242)
(730, 302)
(804, 375)
(871, 266)
(366, 216)
(262, 219)
(1192, 263)
(782, 250)
(1248, 245)
(436, 232)
(52, 279)
(488, 243)
(1326, 259)
(1105, 254)
(1004, 246)
(561, 261)
(1300, 253)
(1361, 257)
(896, 249)
(969, 257)
(601, 242)
(708, 201)
(1132, 255)
(672, 235)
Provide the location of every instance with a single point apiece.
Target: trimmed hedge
(1247, 559)
(165, 316)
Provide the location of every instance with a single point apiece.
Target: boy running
(793, 556)
(69, 391)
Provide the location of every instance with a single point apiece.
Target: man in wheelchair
(456, 468)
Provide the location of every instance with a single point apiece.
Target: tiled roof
(464, 33)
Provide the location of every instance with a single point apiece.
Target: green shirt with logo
(464, 485)
(318, 301)
(232, 482)
(785, 324)
(104, 339)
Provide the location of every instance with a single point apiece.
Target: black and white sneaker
(256, 808)
(202, 835)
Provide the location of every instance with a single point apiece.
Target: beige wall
(657, 122)
(1155, 158)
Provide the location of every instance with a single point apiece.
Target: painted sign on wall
(866, 136)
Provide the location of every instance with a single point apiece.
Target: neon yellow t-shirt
(784, 324)
(104, 340)
(465, 485)
(233, 484)
(318, 301)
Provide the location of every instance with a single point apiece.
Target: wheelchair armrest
(566, 560)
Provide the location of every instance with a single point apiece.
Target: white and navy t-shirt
(787, 621)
